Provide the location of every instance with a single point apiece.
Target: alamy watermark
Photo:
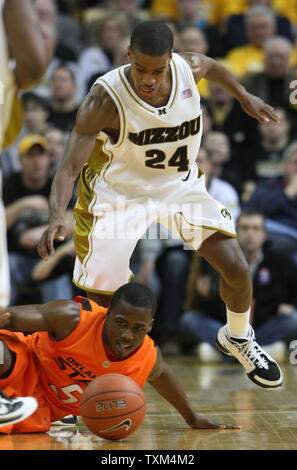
(125, 220)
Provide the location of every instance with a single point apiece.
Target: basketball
(113, 406)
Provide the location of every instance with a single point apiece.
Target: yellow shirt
(211, 10)
(250, 59)
(215, 10)
(203, 88)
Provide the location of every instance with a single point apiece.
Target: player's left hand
(203, 423)
(258, 109)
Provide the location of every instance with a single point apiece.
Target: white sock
(238, 323)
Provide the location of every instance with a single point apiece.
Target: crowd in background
(251, 168)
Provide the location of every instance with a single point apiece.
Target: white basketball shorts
(108, 225)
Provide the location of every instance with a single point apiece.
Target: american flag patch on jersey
(186, 93)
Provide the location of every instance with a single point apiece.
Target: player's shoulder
(61, 309)
(97, 98)
(97, 110)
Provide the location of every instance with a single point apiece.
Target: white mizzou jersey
(156, 146)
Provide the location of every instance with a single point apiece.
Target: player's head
(149, 53)
(129, 318)
(152, 38)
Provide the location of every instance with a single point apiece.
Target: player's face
(148, 72)
(126, 328)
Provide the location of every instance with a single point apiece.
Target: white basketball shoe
(13, 410)
(260, 367)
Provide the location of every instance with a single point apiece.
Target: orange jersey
(57, 372)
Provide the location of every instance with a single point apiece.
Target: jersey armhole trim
(120, 109)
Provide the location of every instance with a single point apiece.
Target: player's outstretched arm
(205, 67)
(58, 317)
(166, 383)
(97, 112)
(31, 41)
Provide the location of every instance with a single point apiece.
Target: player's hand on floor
(204, 423)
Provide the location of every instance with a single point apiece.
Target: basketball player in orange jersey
(26, 47)
(76, 341)
(136, 139)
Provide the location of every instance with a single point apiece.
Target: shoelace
(253, 352)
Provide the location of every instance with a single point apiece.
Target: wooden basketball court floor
(220, 392)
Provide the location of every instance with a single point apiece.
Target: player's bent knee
(238, 273)
(7, 359)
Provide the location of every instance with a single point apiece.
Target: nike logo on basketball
(126, 422)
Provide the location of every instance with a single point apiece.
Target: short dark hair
(29, 97)
(250, 212)
(67, 67)
(135, 294)
(152, 38)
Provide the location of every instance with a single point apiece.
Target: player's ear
(129, 53)
(150, 325)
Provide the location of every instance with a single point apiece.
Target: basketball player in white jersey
(31, 46)
(136, 139)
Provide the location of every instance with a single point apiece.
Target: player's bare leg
(12, 410)
(224, 254)
(237, 337)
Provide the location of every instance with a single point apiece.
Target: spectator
(274, 140)
(274, 313)
(193, 39)
(172, 24)
(236, 36)
(277, 200)
(98, 58)
(56, 145)
(63, 106)
(273, 83)
(227, 117)
(217, 145)
(47, 15)
(130, 8)
(25, 196)
(121, 57)
(192, 14)
(67, 29)
(260, 25)
(207, 122)
(36, 111)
